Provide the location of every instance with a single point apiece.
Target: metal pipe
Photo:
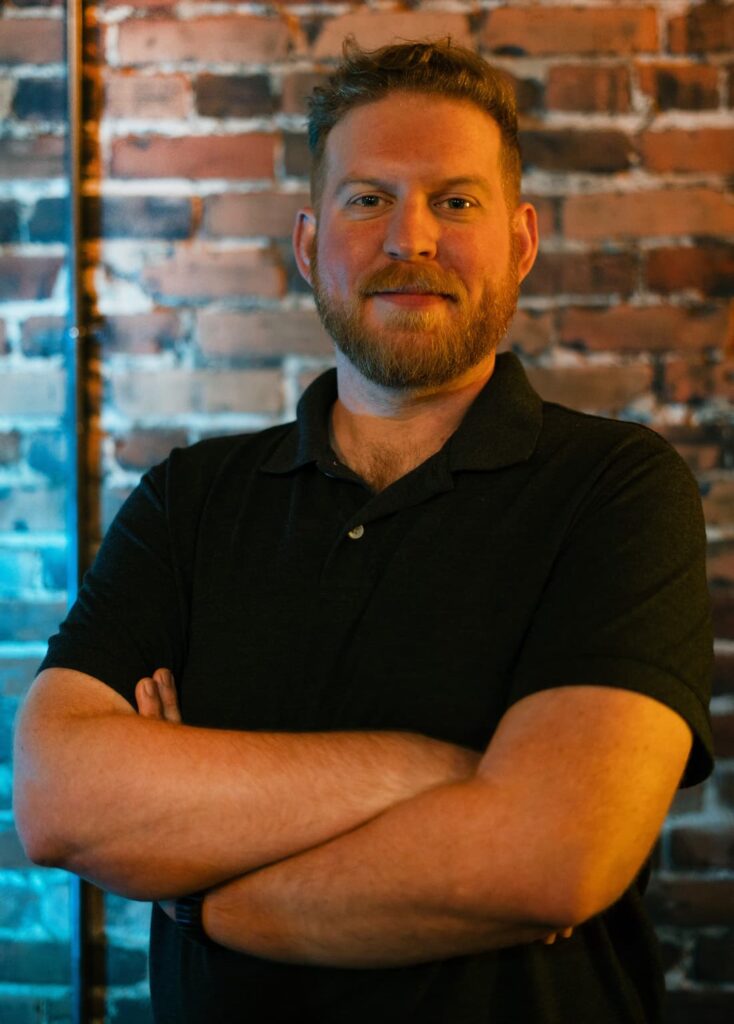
(75, 428)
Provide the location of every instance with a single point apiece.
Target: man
(441, 649)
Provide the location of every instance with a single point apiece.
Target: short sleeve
(129, 616)
(626, 603)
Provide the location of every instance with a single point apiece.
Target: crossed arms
(352, 848)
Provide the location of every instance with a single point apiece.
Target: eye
(461, 203)
(368, 201)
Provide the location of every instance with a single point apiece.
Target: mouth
(407, 297)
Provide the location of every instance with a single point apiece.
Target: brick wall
(195, 161)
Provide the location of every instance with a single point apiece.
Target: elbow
(40, 842)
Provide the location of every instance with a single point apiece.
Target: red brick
(214, 156)
(240, 40)
(142, 449)
(687, 380)
(690, 902)
(31, 41)
(702, 846)
(718, 507)
(680, 87)
(296, 87)
(234, 96)
(141, 3)
(43, 336)
(137, 217)
(579, 273)
(255, 213)
(703, 149)
(704, 27)
(28, 277)
(202, 273)
(667, 212)
(588, 88)
(563, 149)
(141, 333)
(263, 333)
(147, 96)
(374, 29)
(598, 389)
(643, 329)
(707, 269)
(530, 332)
(541, 30)
(32, 158)
(181, 392)
(296, 155)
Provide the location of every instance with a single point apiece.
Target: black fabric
(540, 547)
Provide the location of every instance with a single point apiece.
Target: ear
(525, 231)
(304, 233)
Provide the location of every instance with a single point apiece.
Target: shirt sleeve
(627, 602)
(129, 617)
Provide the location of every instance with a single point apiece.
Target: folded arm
(155, 809)
(564, 810)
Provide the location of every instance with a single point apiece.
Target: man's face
(415, 261)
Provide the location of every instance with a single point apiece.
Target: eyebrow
(475, 180)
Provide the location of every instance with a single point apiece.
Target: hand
(156, 696)
(566, 933)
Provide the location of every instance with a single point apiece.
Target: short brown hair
(438, 67)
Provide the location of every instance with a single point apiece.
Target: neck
(396, 430)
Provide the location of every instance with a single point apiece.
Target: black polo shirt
(539, 547)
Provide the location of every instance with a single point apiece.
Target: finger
(567, 933)
(168, 695)
(549, 939)
(146, 696)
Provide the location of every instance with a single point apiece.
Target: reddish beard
(414, 348)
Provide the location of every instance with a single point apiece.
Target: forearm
(423, 881)
(150, 809)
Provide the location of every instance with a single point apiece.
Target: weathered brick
(723, 729)
(141, 449)
(702, 149)
(27, 508)
(546, 210)
(234, 96)
(7, 91)
(665, 212)
(545, 30)
(297, 156)
(680, 87)
(374, 29)
(47, 454)
(714, 956)
(9, 222)
(140, 333)
(28, 277)
(230, 38)
(725, 787)
(687, 801)
(43, 335)
(576, 273)
(687, 379)
(256, 213)
(181, 392)
(20, 569)
(49, 220)
(588, 88)
(605, 390)
(200, 274)
(137, 217)
(564, 149)
(29, 621)
(708, 269)
(529, 94)
(706, 1005)
(146, 96)
(3, 338)
(723, 676)
(296, 87)
(262, 333)
(26, 393)
(530, 333)
(706, 27)
(690, 902)
(32, 158)
(9, 448)
(40, 99)
(722, 611)
(132, 1010)
(652, 328)
(31, 41)
(216, 156)
(702, 846)
(34, 963)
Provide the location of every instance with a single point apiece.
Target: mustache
(395, 279)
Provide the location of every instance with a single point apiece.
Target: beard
(415, 349)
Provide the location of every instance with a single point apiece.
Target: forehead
(414, 135)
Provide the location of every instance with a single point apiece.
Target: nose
(412, 232)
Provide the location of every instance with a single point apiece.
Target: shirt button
(357, 532)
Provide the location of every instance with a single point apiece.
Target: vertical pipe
(74, 429)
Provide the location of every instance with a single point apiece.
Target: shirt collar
(501, 426)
